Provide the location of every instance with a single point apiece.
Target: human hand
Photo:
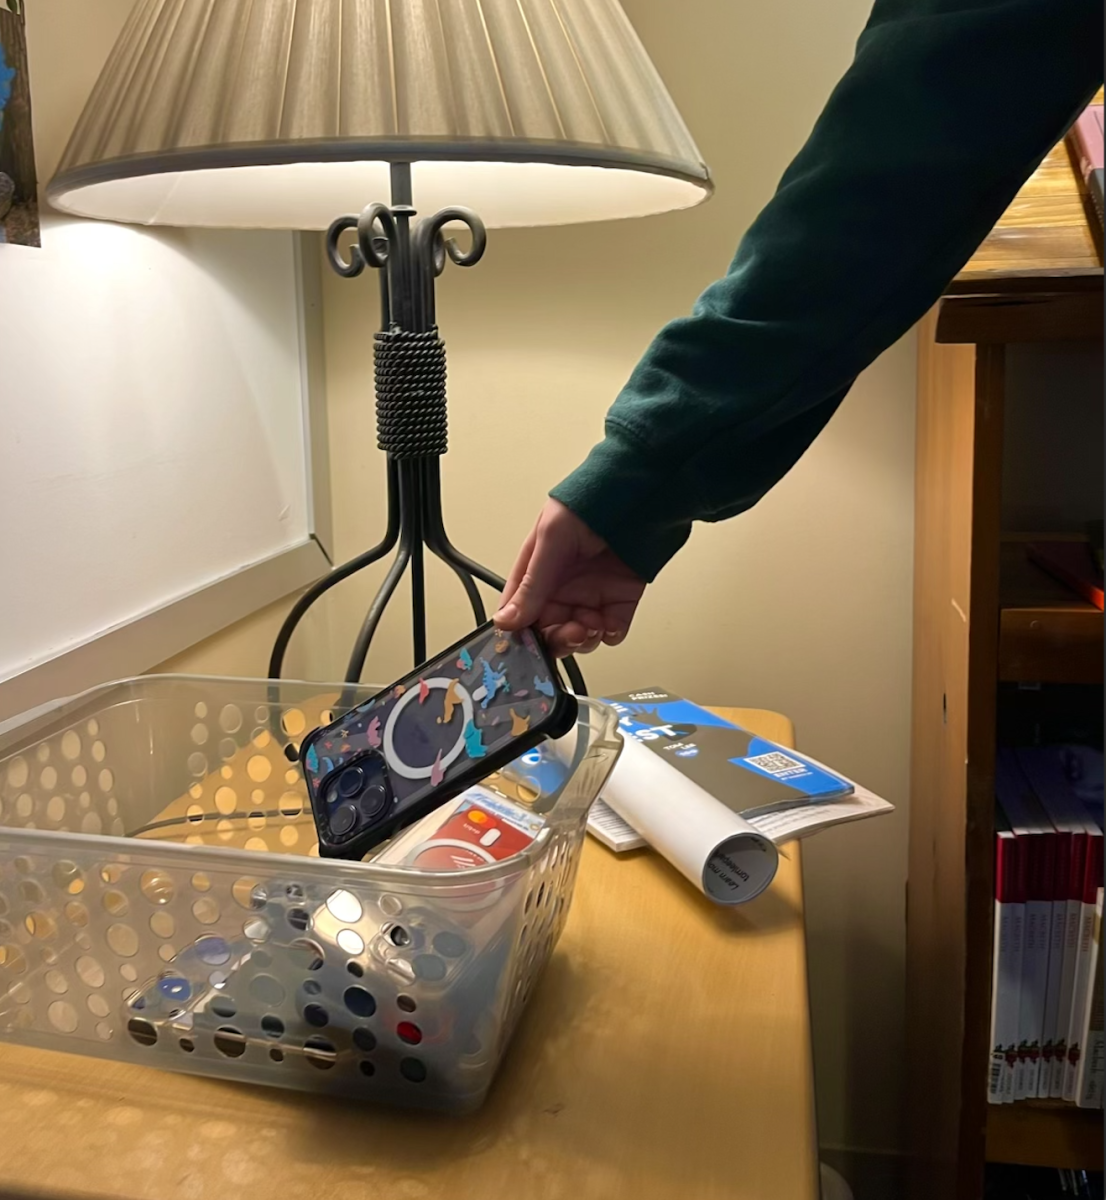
(570, 584)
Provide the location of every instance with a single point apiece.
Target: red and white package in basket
(474, 830)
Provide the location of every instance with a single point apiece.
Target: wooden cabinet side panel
(938, 911)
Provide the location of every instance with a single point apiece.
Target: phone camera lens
(350, 782)
(343, 819)
(373, 801)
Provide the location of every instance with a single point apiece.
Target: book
(714, 799)
(1083, 983)
(1043, 769)
(747, 773)
(1073, 564)
(1006, 968)
(1035, 836)
(1091, 1070)
(1086, 138)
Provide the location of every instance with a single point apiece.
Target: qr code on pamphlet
(780, 765)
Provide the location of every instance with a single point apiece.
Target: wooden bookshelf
(983, 615)
(1045, 1133)
(1047, 634)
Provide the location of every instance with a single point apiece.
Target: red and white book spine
(1081, 985)
(1091, 1074)
(1006, 969)
(1059, 884)
(1074, 906)
(1033, 849)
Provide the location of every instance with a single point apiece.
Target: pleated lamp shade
(286, 113)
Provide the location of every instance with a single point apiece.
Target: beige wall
(802, 605)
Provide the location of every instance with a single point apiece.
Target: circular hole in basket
(256, 819)
(248, 893)
(292, 754)
(291, 804)
(409, 1032)
(292, 777)
(200, 710)
(230, 718)
(71, 745)
(115, 903)
(12, 959)
(197, 764)
(68, 877)
(157, 886)
(18, 773)
(42, 752)
(344, 906)
(89, 971)
(199, 734)
(429, 968)
(40, 925)
(315, 1014)
(166, 952)
(195, 814)
(56, 982)
(259, 768)
(289, 836)
(226, 800)
(413, 1070)
(224, 1008)
(76, 913)
(63, 1016)
(205, 910)
(48, 779)
(201, 882)
(226, 771)
(79, 776)
(196, 791)
(256, 929)
(312, 987)
(391, 906)
(258, 845)
(212, 950)
(97, 1005)
(366, 1067)
(228, 748)
(24, 806)
(122, 940)
(55, 810)
(230, 1041)
(399, 936)
(187, 1045)
(306, 954)
(92, 822)
(299, 918)
(406, 1004)
(267, 990)
(364, 1039)
(276, 1054)
(142, 1031)
(355, 969)
(224, 829)
(261, 738)
(31, 891)
(272, 1025)
(293, 722)
(261, 713)
(320, 1053)
(350, 941)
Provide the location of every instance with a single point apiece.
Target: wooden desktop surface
(666, 1053)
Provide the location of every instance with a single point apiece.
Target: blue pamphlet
(748, 774)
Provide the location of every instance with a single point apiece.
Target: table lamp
(278, 114)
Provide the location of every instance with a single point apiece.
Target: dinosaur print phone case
(461, 716)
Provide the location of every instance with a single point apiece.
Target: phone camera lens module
(350, 782)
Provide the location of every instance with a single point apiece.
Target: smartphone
(464, 714)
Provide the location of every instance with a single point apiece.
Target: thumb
(535, 580)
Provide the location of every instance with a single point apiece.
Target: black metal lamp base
(411, 413)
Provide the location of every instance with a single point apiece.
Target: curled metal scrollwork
(372, 245)
(434, 246)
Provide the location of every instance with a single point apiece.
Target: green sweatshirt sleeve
(947, 109)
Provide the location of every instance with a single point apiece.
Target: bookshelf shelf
(1047, 634)
(1045, 1133)
(983, 615)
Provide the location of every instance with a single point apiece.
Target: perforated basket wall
(162, 902)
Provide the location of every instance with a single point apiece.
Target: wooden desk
(665, 1054)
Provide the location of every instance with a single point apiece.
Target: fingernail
(508, 612)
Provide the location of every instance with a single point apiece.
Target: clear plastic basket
(162, 902)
